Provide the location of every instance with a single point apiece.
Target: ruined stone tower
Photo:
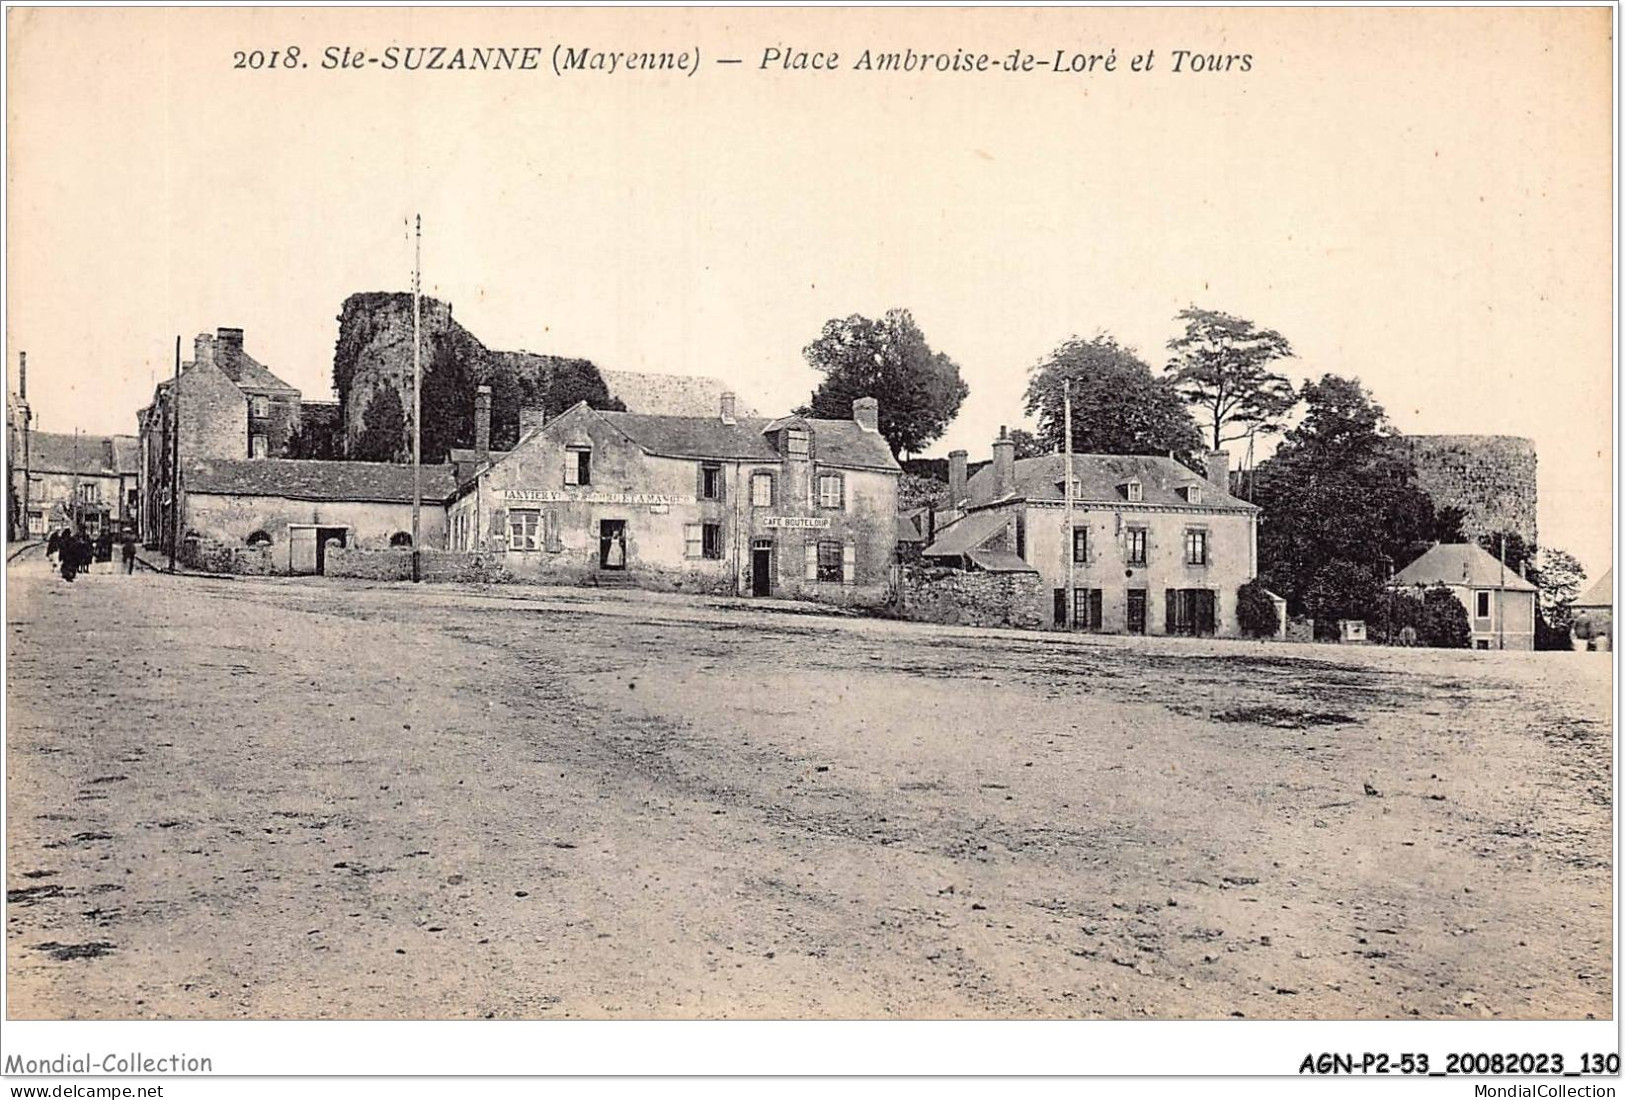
(1491, 478)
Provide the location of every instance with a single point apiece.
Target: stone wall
(1490, 477)
(936, 595)
(434, 565)
(211, 556)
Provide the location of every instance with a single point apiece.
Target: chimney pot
(866, 411)
(1004, 463)
(728, 403)
(956, 478)
(203, 348)
(1216, 464)
(230, 337)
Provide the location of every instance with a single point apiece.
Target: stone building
(721, 503)
(280, 515)
(1155, 548)
(1594, 616)
(1500, 604)
(230, 407)
(91, 482)
(1491, 478)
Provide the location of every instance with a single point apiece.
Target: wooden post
(175, 461)
(417, 403)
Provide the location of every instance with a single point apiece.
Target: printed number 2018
(261, 59)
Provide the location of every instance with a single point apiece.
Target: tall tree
(1559, 576)
(1027, 444)
(1337, 490)
(919, 389)
(1220, 367)
(1118, 405)
(384, 430)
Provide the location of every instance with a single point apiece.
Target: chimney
(230, 338)
(866, 411)
(482, 420)
(203, 348)
(728, 409)
(1004, 463)
(1217, 466)
(531, 416)
(22, 376)
(956, 478)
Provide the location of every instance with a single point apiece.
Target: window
(761, 490)
(1135, 545)
(259, 406)
(578, 466)
(831, 491)
(257, 447)
(90, 492)
(710, 482)
(1195, 547)
(702, 540)
(1133, 491)
(829, 562)
(1193, 494)
(1080, 544)
(1086, 608)
(524, 528)
(1483, 643)
(1483, 605)
(795, 442)
(401, 539)
(259, 538)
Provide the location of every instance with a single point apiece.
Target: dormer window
(1193, 494)
(1133, 491)
(795, 442)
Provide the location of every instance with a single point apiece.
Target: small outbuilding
(1500, 603)
(1594, 616)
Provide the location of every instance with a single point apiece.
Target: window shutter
(1170, 622)
(699, 481)
(722, 483)
(812, 559)
(570, 467)
(848, 563)
(1094, 608)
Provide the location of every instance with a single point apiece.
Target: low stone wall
(962, 598)
(210, 556)
(396, 565)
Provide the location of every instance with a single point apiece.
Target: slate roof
(835, 442)
(999, 561)
(1461, 563)
(249, 373)
(963, 536)
(310, 479)
(1042, 478)
(1600, 594)
(89, 455)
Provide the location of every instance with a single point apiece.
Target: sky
(1420, 199)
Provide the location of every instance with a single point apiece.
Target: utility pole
(417, 401)
(27, 415)
(175, 459)
(1071, 523)
(1501, 599)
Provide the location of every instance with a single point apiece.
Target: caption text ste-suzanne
(564, 60)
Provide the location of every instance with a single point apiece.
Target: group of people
(74, 551)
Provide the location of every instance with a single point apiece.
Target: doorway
(323, 534)
(1136, 611)
(761, 567)
(612, 544)
(1059, 613)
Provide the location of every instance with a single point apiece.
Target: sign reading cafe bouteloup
(818, 522)
(561, 496)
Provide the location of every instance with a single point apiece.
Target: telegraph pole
(1501, 599)
(175, 460)
(27, 415)
(1071, 523)
(417, 401)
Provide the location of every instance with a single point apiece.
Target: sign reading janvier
(563, 496)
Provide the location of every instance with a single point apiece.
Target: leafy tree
(1444, 620)
(1341, 590)
(1027, 444)
(1447, 523)
(915, 491)
(1337, 490)
(1118, 405)
(1220, 367)
(919, 389)
(383, 435)
(1559, 576)
(313, 441)
(1394, 612)
(1256, 612)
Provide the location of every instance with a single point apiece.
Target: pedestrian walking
(53, 544)
(73, 553)
(129, 555)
